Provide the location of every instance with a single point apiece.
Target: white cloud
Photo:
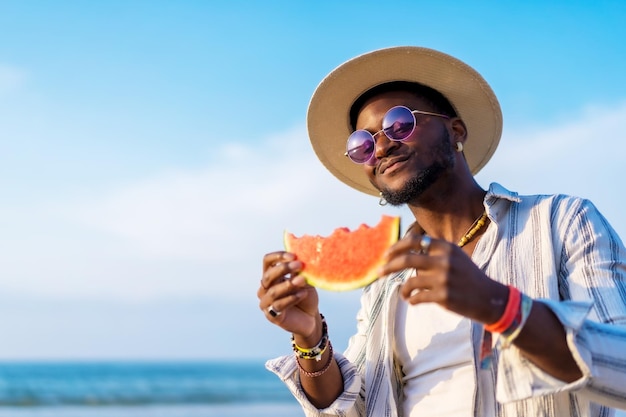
(11, 78)
(585, 156)
(203, 232)
(246, 196)
(184, 232)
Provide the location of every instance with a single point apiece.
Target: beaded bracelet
(316, 351)
(511, 310)
(321, 371)
(511, 333)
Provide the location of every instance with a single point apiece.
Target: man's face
(405, 170)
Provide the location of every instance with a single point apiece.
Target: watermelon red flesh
(346, 259)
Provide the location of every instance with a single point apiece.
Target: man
(493, 304)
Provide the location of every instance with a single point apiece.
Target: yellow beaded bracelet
(321, 371)
(316, 351)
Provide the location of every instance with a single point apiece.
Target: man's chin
(409, 192)
(396, 197)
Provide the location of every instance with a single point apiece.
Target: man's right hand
(287, 300)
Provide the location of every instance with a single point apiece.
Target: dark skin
(446, 275)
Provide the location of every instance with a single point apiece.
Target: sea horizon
(146, 388)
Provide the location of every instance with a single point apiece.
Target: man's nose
(383, 145)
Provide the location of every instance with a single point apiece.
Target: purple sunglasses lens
(360, 146)
(398, 123)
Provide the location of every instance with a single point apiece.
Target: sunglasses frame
(373, 136)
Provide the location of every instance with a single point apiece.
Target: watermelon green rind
(337, 286)
(345, 260)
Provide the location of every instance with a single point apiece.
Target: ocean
(143, 389)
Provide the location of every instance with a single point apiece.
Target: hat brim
(328, 119)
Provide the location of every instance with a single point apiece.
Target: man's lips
(385, 164)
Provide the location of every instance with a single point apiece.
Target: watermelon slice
(345, 260)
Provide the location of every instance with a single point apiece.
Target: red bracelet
(507, 318)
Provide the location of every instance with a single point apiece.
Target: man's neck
(449, 213)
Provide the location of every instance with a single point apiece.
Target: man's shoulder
(555, 199)
(557, 206)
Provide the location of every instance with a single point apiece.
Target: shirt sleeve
(592, 283)
(351, 402)
(345, 405)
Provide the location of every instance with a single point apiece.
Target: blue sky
(151, 152)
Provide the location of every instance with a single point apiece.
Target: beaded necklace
(475, 227)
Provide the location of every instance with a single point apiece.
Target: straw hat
(328, 118)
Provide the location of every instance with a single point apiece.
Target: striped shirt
(557, 249)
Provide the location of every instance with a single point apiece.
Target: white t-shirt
(434, 348)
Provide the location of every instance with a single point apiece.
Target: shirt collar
(497, 191)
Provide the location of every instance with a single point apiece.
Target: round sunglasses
(398, 124)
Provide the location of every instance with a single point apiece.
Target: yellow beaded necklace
(475, 227)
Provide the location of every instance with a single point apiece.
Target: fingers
(273, 312)
(285, 298)
(281, 289)
(278, 266)
(280, 286)
(426, 296)
(274, 308)
(419, 252)
(422, 244)
(276, 257)
(400, 260)
(424, 288)
(281, 296)
(430, 258)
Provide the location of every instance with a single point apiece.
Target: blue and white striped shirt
(558, 250)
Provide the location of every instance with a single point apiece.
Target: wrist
(316, 351)
(313, 338)
(496, 305)
(511, 312)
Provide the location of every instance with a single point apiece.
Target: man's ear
(459, 130)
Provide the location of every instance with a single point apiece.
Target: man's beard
(443, 156)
